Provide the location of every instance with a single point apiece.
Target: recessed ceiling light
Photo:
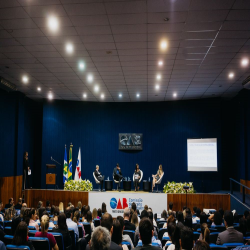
(158, 77)
(231, 75)
(163, 45)
(69, 48)
(90, 78)
(81, 66)
(96, 88)
(138, 95)
(53, 23)
(39, 89)
(244, 62)
(157, 86)
(174, 94)
(84, 95)
(25, 79)
(102, 96)
(160, 63)
(120, 95)
(50, 96)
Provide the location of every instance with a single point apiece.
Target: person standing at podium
(99, 176)
(137, 176)
(26, 169)
(117, 173)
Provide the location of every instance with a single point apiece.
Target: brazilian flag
(70, 163)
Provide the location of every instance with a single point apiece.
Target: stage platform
(201, 200)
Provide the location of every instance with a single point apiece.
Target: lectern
(50, 177)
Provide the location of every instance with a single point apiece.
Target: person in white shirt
(197, 218)
(70, 223)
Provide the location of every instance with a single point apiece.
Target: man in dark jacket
(117, 173)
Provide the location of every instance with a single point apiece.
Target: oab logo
(118, 205)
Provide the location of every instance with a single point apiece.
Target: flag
(78, 167)
(65, 168)
(70, 163)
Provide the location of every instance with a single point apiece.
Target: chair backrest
(130, 233)
(7, 223)
(59, 240)
(127, 244)
(97, 182)
(40, 243)
(196, 236)
(7, 240)
(161, 232)
(72, 235)
(87, 227)
(97, 222)
(160, 222)
(14, 247)
(80, 231)
(32, 233)
(213, 237)
(220, 228)
(159, 181)
(233, 245)
(8, 230)
(31, 228)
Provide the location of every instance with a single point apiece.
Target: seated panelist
(99, 176)
(157, 176)
(117, 173)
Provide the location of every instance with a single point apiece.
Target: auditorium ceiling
(125, 51)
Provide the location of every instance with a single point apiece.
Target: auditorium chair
(233, 245)
(97, 222)
(32, 233)
(219, 228)
(40, 243)
(8, 239)
(97, 182)
(164, 240)
(131, 234)
(161, 232)
(158, 222)
(80, 231)
(213, 237)
(8, 230)
(217, 247)
(7, 223)
(159, 182)
(59, 240)
(73, 237)
(127, 244)
(140, 178)
(87, 229)
(31, 228)
(14, 247)
(196, 236)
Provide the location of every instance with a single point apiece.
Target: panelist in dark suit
(230, 235)
(99, 176)
(117, 173)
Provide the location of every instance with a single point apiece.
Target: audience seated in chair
(230, 235)
(127, 223)
(100, 239)
(186, 238)
(125, 237)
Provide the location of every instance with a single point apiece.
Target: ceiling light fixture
(157, 86)
(102, 96)
(231, 75)
(69, 48)
(96, 88)
(163, 45)
(53, 23)
(84, 95)
(138, 95)
(158, 77)
(174, 94)
(81, 66)
(25, 79)
(39, 89)
(90, 78)
(50, 96)
(120, 95)
(160, 63)
(244, 62)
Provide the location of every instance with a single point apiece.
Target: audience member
(89, 220)
(10, 204)
(18, 206)
(146, 207)
(230, 235)
(61, 207)
(51, 223)
(155, 236)
(56, 212)
(146, 234)
(170, 210)
(100, 239)
(48, 206)
(205, 233)
(188, 221)
(197, 216)
(134, 220)
(24, 204)
(201, 245)
(70, 223)
(63, 229)
(125, 237)
(171, 233)
(99, 213)
(180, 217)
(40, 204)
(76, 219)
(79, 205)
(117, 234)
(203, 218)
(128, 225)
(186, 238)
(94, 214)
(33, 218)
(21, 236)
(104, 209)
(9, 214)
(217, 219)
(243, 226)
(171, 219)
(41, 210)
(194, 210)
(44, 232)
(164, 215)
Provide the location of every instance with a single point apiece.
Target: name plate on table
(130, 141)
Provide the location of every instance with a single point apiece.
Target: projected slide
(202, 154)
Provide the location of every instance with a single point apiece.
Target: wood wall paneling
(11, 187)
(246, 183)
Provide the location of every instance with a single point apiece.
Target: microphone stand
(55, 161)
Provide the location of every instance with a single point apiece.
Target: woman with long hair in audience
(217, 220)
(89, 220)
(117, 234)
(63, 229)
(33, 218)
(79, 205)
(94, 214)
(104, 209)
(9, 214)
(21, 236)
(205, 233)
(171, 219)
(134, 220)
(44, 232)
(180, 217)
(56, 213)
(51, 222)
(39, 204)
(61, 207)
(76, 219)
(171, 228)
(99, 213)
(188, 221)
(157, 176)
(164, 215)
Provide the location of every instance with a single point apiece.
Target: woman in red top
(44, 233)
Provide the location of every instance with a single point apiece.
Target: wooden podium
(50, 177)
